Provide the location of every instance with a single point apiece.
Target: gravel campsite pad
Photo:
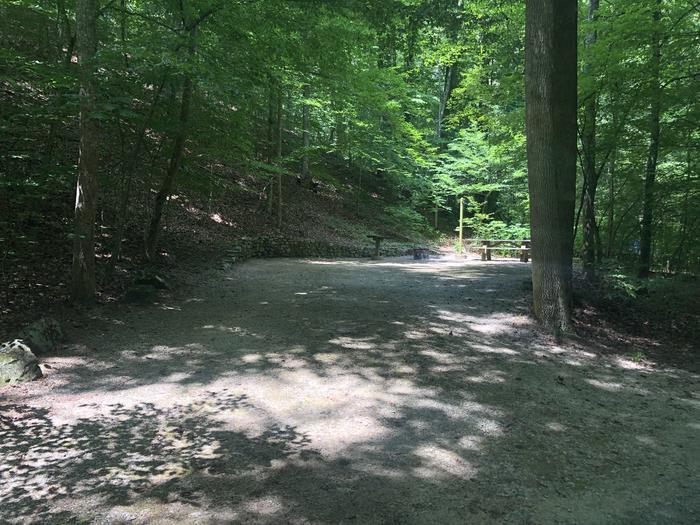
(346, 391)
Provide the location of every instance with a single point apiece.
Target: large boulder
(43, 336)
(17, 363)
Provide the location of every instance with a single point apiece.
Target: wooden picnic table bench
(486, 246)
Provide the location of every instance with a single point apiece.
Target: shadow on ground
(347, 392)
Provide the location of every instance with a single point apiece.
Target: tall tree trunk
(550, 94)
(280, 108)
(653, 155)
(611, 203)
(451, 80)
(307, 138)
(168, 183)
(270, 141)
(588, 145)
(679, 253)
(122, 217)
(359, 192)
(86, 192)
(65, 34)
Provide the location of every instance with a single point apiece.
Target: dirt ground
(382, 392)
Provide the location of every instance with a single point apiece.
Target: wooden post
(486, 251)
(524, 252)
(461, 224)
(437, 208)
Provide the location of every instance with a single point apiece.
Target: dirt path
(384, 392)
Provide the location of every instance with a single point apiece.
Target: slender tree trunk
(307, 137)
(359, 192)
(168, 183)
(652, 158)
(122, 33)
(128, 179)
(611, 203)
(86, 192)
(588, 145)
(550, 94)
(66, 37)
(451, 80)
(280, 108)
(270, 141)
(679, 253)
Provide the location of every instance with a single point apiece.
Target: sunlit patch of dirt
(390, 392)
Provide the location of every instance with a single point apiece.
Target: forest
(190, 196)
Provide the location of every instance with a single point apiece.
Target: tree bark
(653, 155)
(122, 217)
(550, 91)
(168, 183)
(611, 203)
(679, 254)
(451, 81)
(86, 192)
(359, 192)
(66, 36)
(280, 108)
(588, 145)
(270, 141)
(307, 138)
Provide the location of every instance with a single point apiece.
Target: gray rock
(17, 363)
(43, 336)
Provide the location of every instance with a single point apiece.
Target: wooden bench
(486, 246)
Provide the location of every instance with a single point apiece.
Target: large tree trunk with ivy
(653, 155)
(588, 146)
(83, 268)
(550, 91)
(168, 183)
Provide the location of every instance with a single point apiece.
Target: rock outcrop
(17, 363)
(43, 336)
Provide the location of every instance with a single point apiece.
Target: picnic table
(486, 246)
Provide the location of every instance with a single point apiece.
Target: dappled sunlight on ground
(330, 391)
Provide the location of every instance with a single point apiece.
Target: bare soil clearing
(394, 391)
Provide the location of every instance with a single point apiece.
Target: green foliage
(620, 284)
(489, 229)
(407, 220)
(420, 100)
